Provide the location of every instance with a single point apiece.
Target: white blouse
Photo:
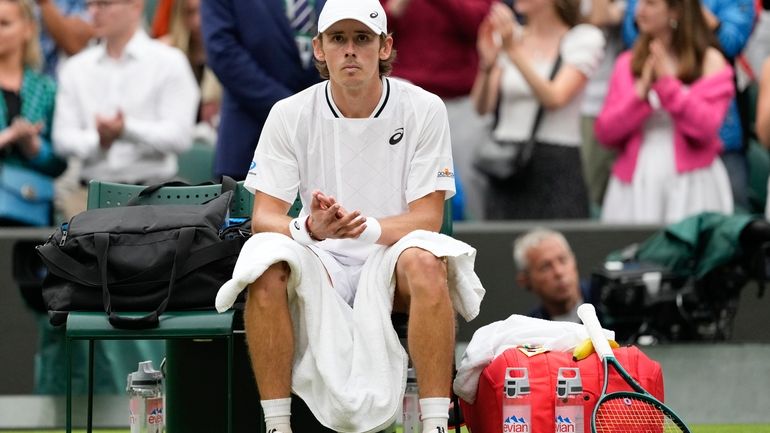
(582, 47)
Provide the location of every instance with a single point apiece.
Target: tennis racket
(625, 411)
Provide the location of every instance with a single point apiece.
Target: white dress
(657, 193)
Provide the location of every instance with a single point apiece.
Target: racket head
(631, 412)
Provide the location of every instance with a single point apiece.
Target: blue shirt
(48, 47)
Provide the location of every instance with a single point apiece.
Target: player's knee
(417, 261)
(426, 274)
(269, 290)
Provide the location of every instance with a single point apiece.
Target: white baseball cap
(368, 12)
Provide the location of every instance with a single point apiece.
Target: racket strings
(635, 415)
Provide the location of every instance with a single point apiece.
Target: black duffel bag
(146, 258)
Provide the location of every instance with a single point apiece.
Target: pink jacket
(697, 115)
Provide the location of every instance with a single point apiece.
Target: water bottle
(517, 403)
(411, 408)
(145, 391)
(569, 402)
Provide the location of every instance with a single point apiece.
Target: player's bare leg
(271, 343)
(421, 284)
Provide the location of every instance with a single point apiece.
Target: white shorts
(344, 276)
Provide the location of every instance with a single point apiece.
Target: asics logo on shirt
(397, 136)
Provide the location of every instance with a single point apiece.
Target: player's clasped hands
(329, 220)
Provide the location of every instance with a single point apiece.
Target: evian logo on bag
(513, 424)
(564, 425)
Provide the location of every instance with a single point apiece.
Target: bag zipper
(64, 230)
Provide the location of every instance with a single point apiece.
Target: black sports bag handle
(151, 320)
(228, 184)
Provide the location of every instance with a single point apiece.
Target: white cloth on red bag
(489, 341)
(349, 365)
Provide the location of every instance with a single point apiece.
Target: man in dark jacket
(262, 52)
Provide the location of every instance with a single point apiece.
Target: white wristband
(298, 230)
(372, 232)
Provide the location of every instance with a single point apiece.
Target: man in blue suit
(262, 52)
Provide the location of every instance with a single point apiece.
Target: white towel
(349, 366)
(489, 341)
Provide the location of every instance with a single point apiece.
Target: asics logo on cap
(396, 137)
(373, 15)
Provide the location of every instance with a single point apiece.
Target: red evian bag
(485, 415)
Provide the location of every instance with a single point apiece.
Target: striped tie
(302, 17)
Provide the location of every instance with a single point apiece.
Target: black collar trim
(377, 114)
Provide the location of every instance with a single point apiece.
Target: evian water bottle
(569, 404)
(411, 408)
(145, 391)
(517, 405)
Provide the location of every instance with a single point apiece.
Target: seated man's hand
(109, 129)
(329, 220)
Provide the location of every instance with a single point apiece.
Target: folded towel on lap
(349, 366)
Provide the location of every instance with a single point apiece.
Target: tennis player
(371, 159)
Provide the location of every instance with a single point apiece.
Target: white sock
(435, 414)
(277, 415)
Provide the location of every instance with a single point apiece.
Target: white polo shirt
(376, 165)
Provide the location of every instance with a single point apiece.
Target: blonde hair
(177, 30)
(32, 57)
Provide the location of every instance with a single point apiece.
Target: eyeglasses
(101, 4)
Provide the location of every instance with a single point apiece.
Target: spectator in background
(441, 58)
(515, 74)
(261, 51)
(185, 33)
(27, 102)
(546, 267)
(667, 99)
(130, 104)
(65, 30)
(731, 21)
(597, 160)
(758, 46)
(763, 114)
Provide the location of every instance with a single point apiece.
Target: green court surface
(732, 428)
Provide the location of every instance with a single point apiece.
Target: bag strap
(228, 184)
(61, 264)
(151, 320)
(540, 108)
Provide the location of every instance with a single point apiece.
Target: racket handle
(587, 314)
